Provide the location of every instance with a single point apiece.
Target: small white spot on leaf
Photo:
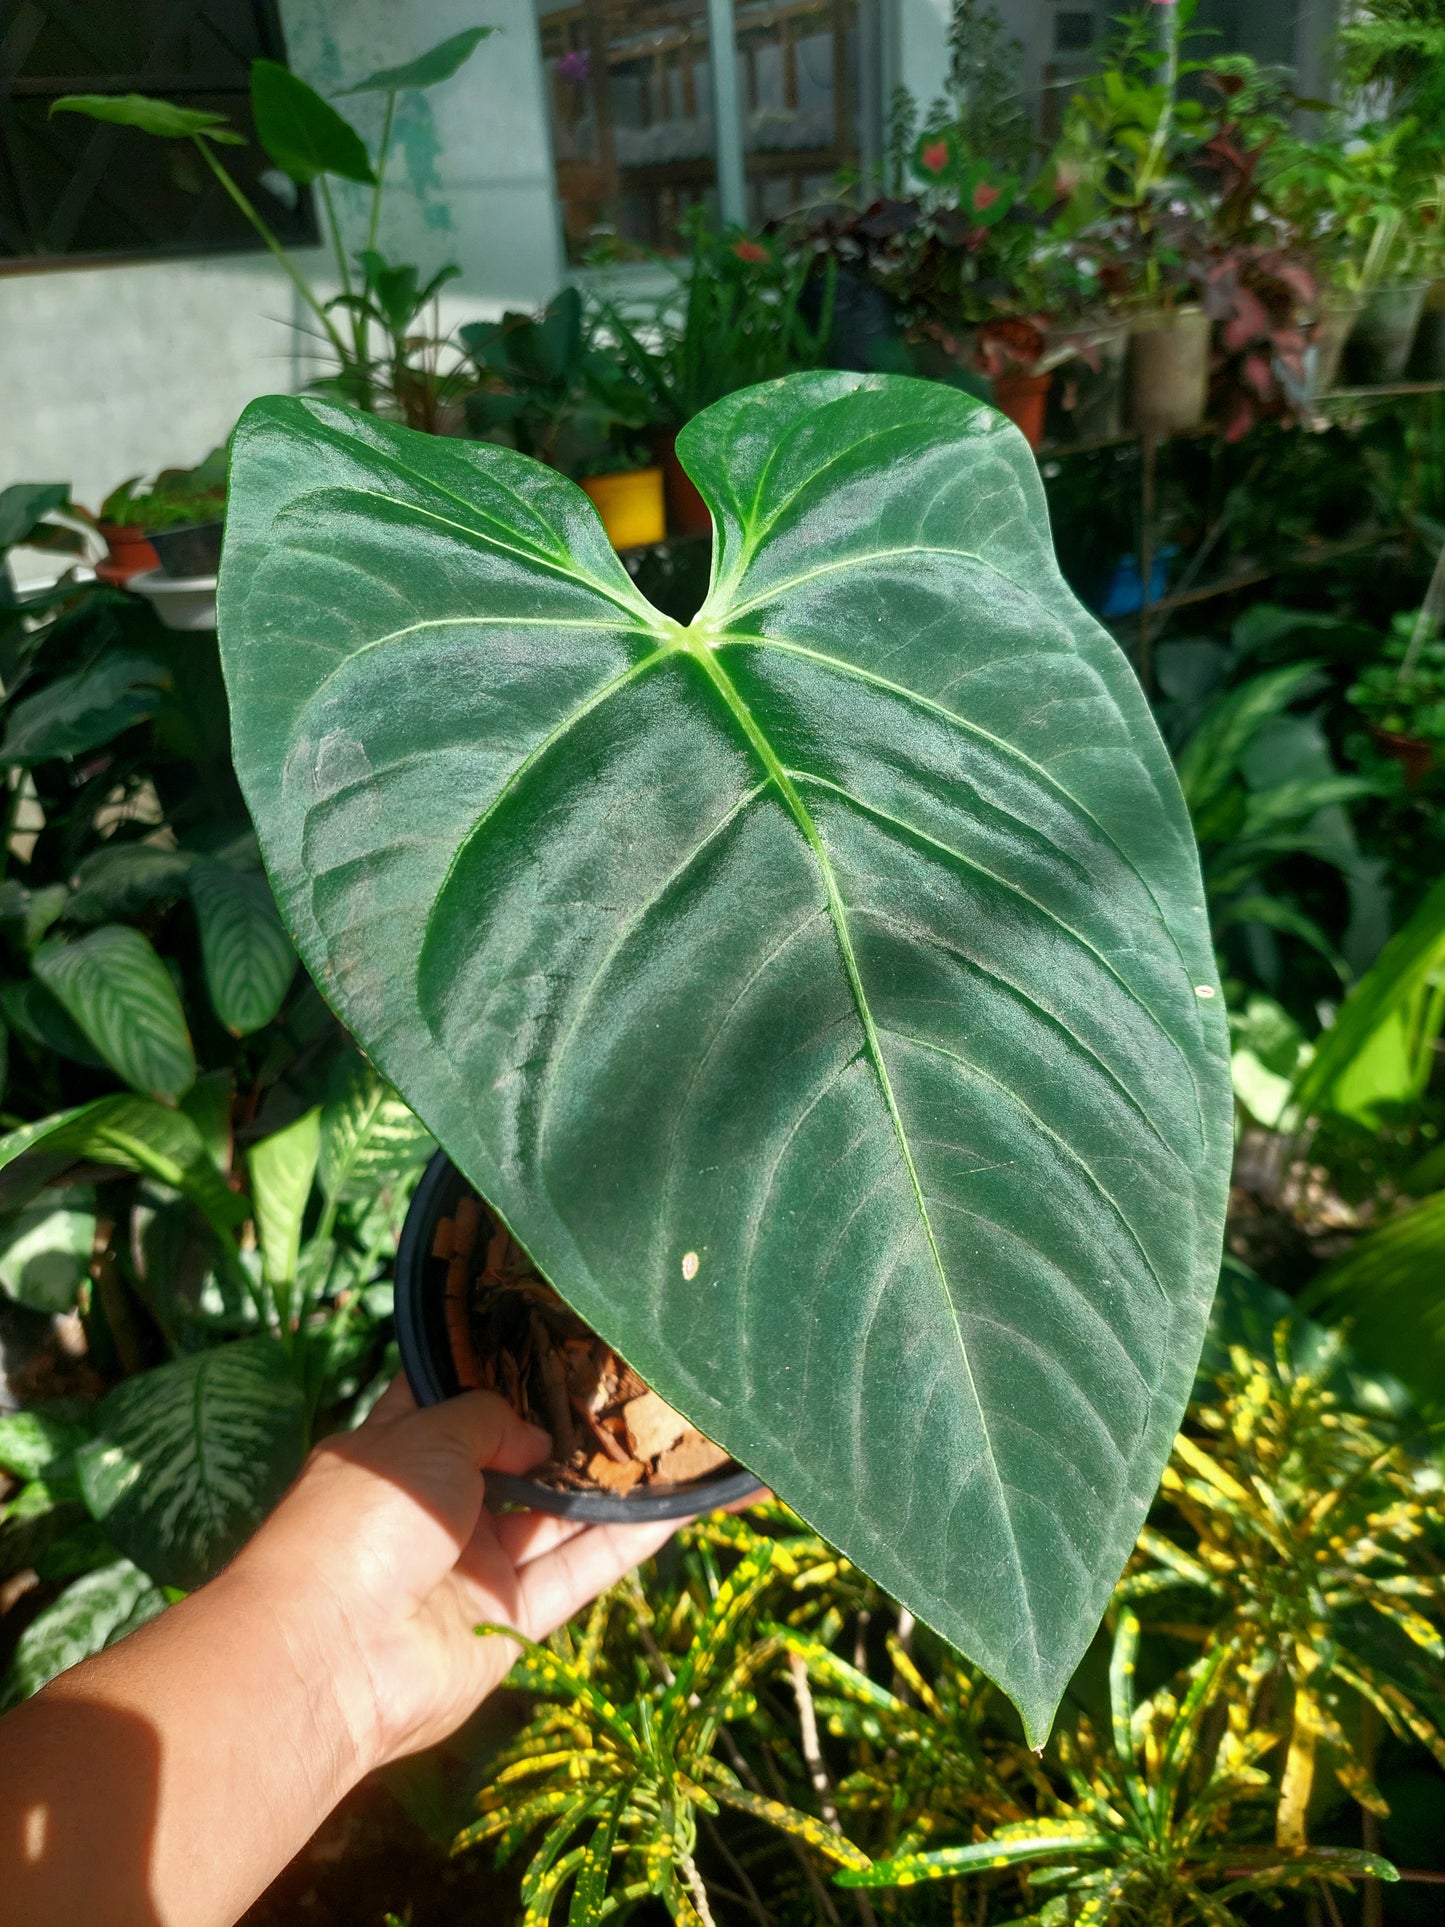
(689, 1264)
(1204, 990)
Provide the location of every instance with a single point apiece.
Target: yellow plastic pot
(630, 504)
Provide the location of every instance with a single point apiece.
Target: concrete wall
(114, 371)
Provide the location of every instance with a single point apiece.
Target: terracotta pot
(630, 504)
(1427, 357)
(1168, 370)
(1385, 333)
(1024, 399)
(1332, 330)
(687, 513)
(128, 553)
(1087, 402)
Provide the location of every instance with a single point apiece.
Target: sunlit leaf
(188, 1458)
(822, 993)
(120, 994)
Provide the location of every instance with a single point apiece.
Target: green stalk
(382, 154)
(360, 345)
(297, 279)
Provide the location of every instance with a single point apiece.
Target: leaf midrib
(697, 643)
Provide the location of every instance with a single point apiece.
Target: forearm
(176, 1774)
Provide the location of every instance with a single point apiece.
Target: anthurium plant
(821, 992)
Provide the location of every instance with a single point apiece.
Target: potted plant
(310, 143)
(625, 486)
(848, 1055)
(1402, 695)
(1123, 133)
(743, 310)
(180, 514)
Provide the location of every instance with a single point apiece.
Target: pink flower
(749, 251)
(984, 196)
(935, 156)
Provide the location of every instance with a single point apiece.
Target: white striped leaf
(120, 994)
(138, 1134)
(248, 958)
(89, 1615)
(369, 1138)
(188, 1458)
(283, 1168)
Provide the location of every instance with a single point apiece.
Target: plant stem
(298, 280)
(360, 346)
(382, 154)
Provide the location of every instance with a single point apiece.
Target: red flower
(984, 197)
(935, 156)
(749, 251)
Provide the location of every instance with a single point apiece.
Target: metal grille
(73, 189)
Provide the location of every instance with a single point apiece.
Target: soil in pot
(510, 1333)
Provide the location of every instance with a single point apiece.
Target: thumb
(477, 1429)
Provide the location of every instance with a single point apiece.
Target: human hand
(384, 1547)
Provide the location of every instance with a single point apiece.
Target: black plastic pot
(426, 1358)
(191, 551)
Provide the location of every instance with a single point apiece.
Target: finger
(395, 1402)
(484, 1430)
(562, 1581)
(525, 1536)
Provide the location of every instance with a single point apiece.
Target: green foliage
(187, 1459)
(972, 1004)
(303, 134)
(99, 1608)
(1403, 692)
(736, 317)
(159, 117)
(175, 498)
(1388, 1288)
(635, 1775)
(119, 993)
(1299, 1529)
(437, 64)
(1380, 1048)
(1141, 1835)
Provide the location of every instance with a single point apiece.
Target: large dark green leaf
(120, 994)
(823, 992)
(436, 64)
(188, 1458)
(247, 954)
(303, 133)
(88, 707)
